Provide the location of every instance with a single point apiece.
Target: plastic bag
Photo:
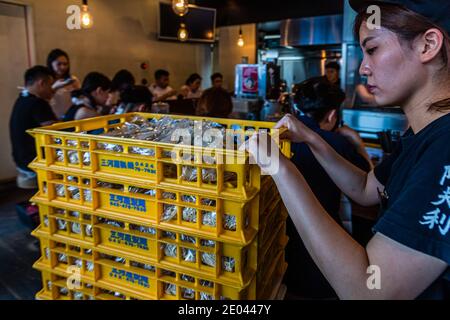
(170, 250)
(190, 214)
(169, 212)
(209, 259)
(62, 224)
(76, 228)
(228, 264)
(60, 190)
(187, 293)
(170, 289)
(229, 222)
(88, 230)
(209, 218)
(208, 243)
(189, 255)
(148, 192)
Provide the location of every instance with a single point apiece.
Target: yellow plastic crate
(77, 148)
(233, 221)
(56, 287)
(222, 262)
(130, 277)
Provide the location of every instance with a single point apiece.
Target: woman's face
(101, 96)
(61, 66)
(196, 85)
(393, 70)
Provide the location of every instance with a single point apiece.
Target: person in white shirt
(191, 90)
(161, 90)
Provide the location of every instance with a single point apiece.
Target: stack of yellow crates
(120, 219)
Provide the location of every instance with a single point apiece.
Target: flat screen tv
(200, 23)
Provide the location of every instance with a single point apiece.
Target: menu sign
(250, 79)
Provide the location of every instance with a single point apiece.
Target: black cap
(317, 94)
(435, 11)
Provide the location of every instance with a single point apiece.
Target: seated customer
(90, 101)
(191, 90)
(31, 110)
(65, 83)
(161, 90)
(215, 102)
(319, 101)
(217, 80)
(135, 99)
(122, 80)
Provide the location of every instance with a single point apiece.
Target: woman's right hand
(296, 130)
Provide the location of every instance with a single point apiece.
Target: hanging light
(240, 41)
(86, 18)
(180, 7)
(183, 34)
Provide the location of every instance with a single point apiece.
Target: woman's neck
(417, 108)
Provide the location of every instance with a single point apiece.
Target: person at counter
(217, 80)
(407, 64)
(191, 90)
(320, 103)
(332, 70)
(31, 110)
(91, 100)
(161, 90)
(65, 83)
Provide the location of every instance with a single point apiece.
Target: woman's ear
(332, 116)
(430, 44)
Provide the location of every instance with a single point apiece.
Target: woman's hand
(264, 152)
(296, 130)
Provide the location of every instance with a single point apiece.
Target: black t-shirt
(417, 187)
(29, 112)
(303, 276)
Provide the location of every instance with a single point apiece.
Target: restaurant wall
(229, 53)
(123, 36)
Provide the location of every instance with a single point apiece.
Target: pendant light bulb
(180, 7)
(86, 17)
(183, 34)
(240, 41)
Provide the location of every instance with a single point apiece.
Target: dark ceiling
(235, 12)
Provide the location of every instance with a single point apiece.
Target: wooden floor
(18, 250)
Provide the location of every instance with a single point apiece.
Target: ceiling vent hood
(314, 31)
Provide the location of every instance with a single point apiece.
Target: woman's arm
(85, 113)
(403, 273)
(362, 187)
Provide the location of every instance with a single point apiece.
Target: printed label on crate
(127, 203)
(128, 240)
(130, 277)
(131, 167)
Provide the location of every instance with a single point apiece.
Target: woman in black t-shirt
(406, 63)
